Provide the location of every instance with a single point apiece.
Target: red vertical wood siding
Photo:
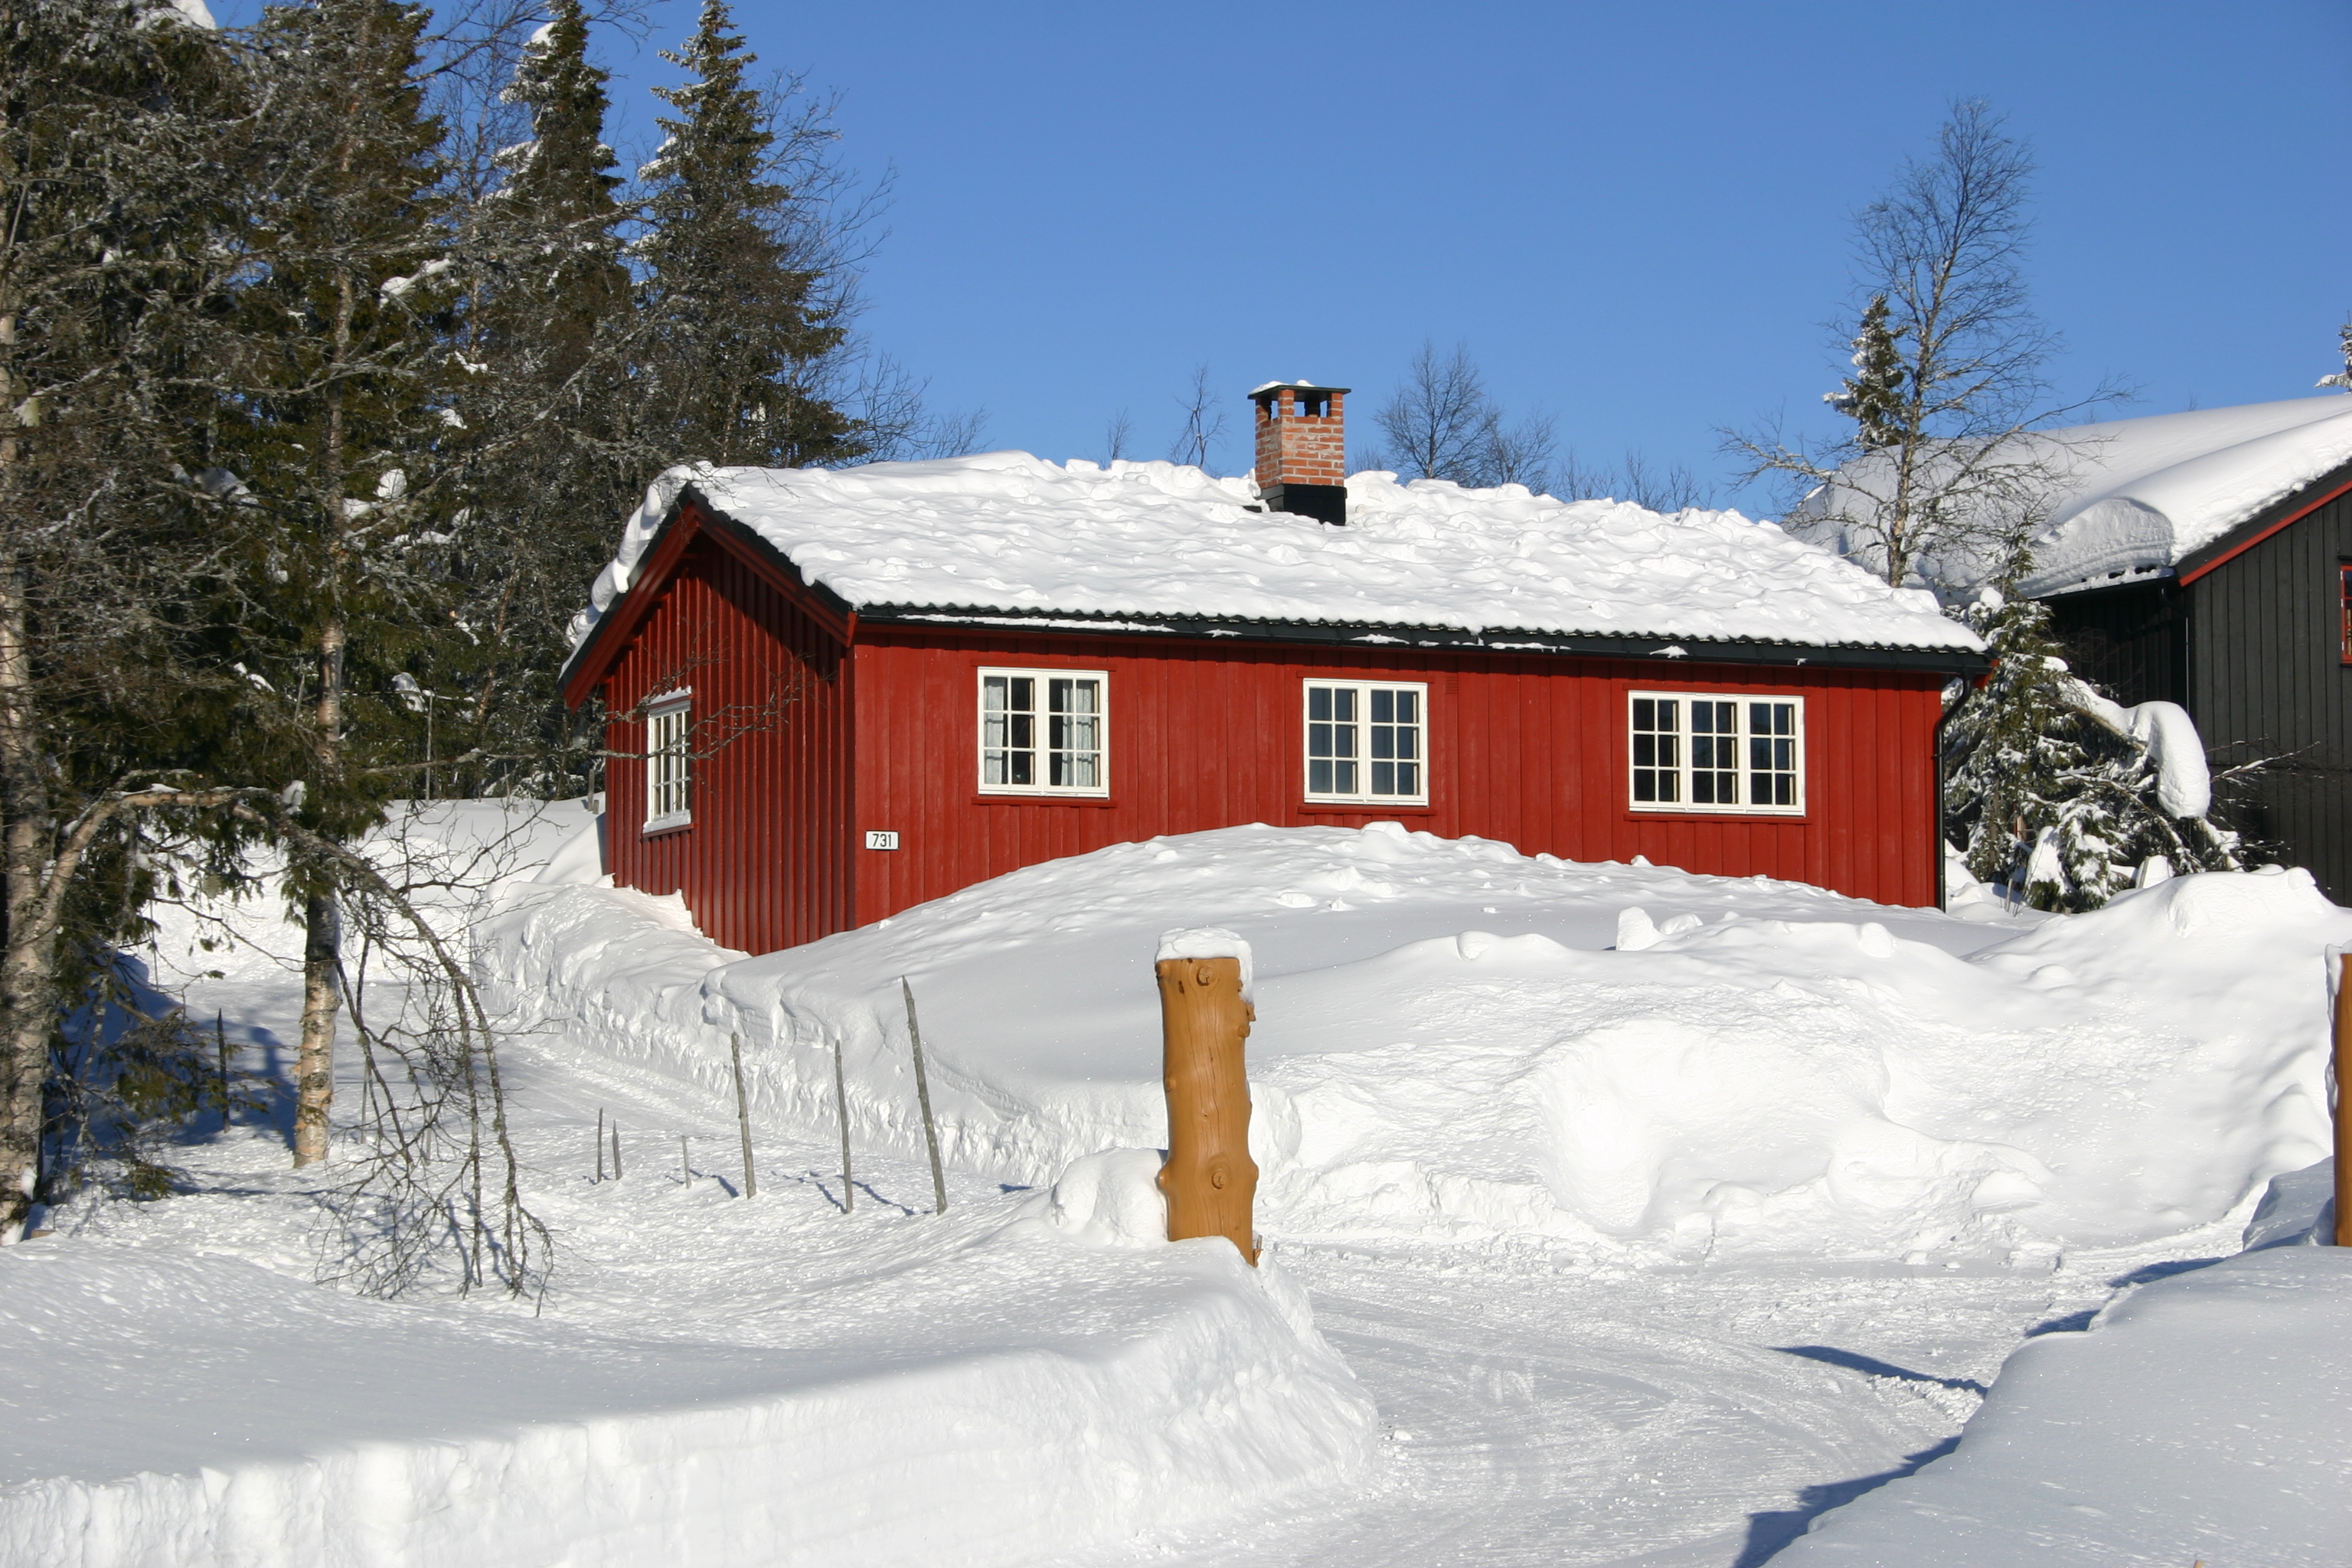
(766, 861)
(1530, 750)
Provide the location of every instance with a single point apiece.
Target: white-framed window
(1044, 731)
(1368, 741)
(670, 759)
(1710, 750)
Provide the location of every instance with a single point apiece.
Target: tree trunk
(28, 954)
(321, 998)
(27, 963)
(322, 949)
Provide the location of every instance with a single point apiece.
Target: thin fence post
(617, 1148)
(685, 1165)
(923, 1097)
(743, 1117)
(2343, 1236)
(841, 1103)
(220, 1041)
(600, 1142)
(1209, 1179)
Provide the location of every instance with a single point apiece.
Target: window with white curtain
(1044, 731)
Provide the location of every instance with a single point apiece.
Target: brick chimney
(1302, 450)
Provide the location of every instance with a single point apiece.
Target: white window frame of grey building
(1687, 750)
(1359, 735)
(1037, 722)
(669, 761)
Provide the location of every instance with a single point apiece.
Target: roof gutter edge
(1434, 638)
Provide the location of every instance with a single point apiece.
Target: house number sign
(881, 838)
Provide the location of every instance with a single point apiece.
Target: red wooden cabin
(836, 694)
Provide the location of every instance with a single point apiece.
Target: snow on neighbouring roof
(1008, 533)
(2141, 495)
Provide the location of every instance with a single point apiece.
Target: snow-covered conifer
(116, 121)
(2342, 379)
(552, 228)
(545, 426)
(2056, 792)
(744, 307)
(340, 363)
(1873, 395)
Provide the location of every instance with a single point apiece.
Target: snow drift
(2202, 1417)
(1754, 1067)
(1018, 1398)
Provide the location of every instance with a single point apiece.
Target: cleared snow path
(1687, 1419)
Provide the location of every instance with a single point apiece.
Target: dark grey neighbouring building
(2202, 558)
(2205, 559)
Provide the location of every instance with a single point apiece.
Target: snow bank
(2203, 1417)
(1007, 531)
(2298, 1210)
(1014, 1400)
(1757, 1068)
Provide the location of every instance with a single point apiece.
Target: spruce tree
(551, 232)
(740, 316)
(2012, 748)
(2043, 793)
(1873, 396)
(115, 121)
(338, 383)
(546, 424)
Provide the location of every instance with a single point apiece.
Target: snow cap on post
(1208, 941)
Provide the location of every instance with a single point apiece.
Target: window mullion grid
(1365, 742)
(1716, 752)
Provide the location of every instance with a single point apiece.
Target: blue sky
(1636, 217)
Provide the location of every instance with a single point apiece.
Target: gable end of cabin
(727, 703)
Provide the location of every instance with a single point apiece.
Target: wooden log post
(1205, 1013)
(2343, 1236)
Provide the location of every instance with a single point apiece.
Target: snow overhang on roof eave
(2122, 578)
(1666, 647)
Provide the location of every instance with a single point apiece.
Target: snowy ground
(1645, 1255)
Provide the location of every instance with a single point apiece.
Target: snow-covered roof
(1009, 533)
(2139, 496)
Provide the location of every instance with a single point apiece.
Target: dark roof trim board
(2276, 518)
(586, 665)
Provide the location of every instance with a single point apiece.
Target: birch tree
(1439, 423)
(1934, 470)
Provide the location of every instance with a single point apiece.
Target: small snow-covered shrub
(2060, 794)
